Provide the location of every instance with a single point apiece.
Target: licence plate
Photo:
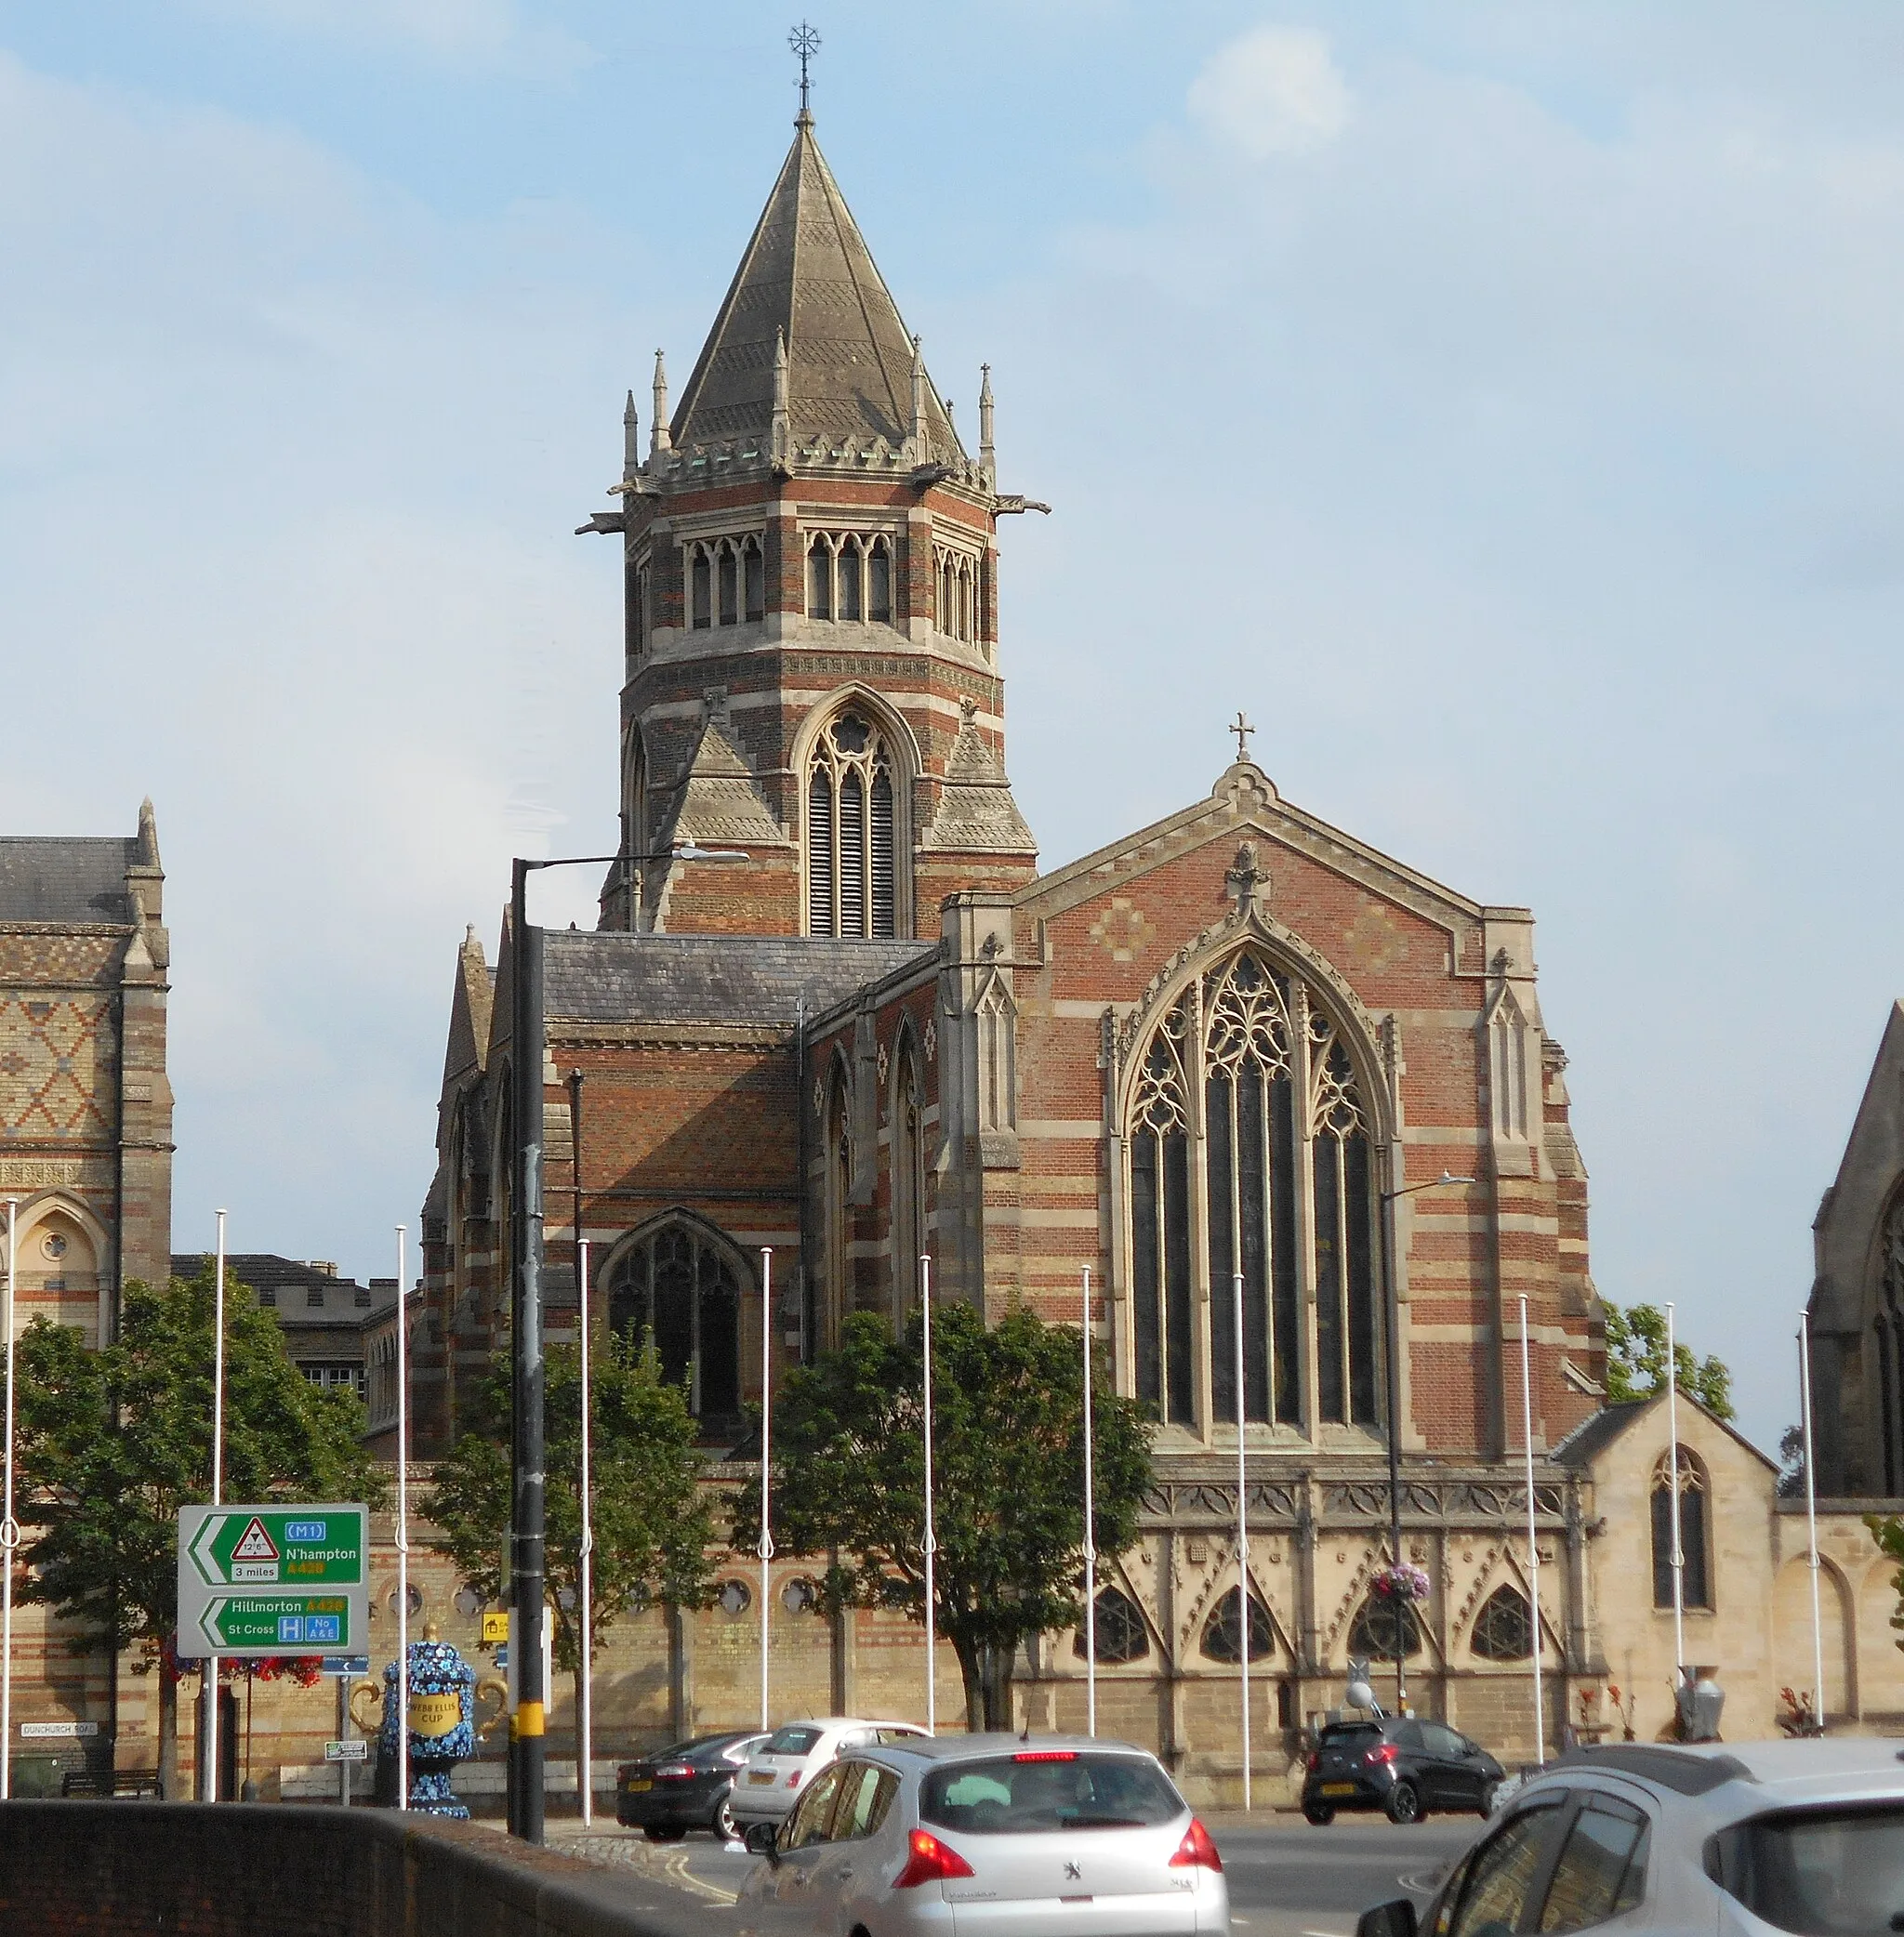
(759, 1776)
(1338, 1789)
(635, 1789)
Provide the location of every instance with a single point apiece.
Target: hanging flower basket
(1406, 1582)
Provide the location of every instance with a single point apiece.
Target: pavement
(1287, 1877)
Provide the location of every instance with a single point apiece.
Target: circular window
(416, 1600)
(53, 1245)
(800, 1596)
(735, 1598)
(468, 1601)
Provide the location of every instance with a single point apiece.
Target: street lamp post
(1391, 1326)
(527, 1573)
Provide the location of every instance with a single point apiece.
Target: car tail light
(1382, 1753)
(1046, 1755)
(1314, 1761)
(674, 1771)
(1197, 1851)
(793, 1778)
(929, 1860)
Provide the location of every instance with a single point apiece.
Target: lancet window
(1695, 1587)
(726, 582)
(679, 1288)
(908, 1175)
(852, 884)
(849, 577)
(1251, 1157)
(956, 600)
(1887, 1335)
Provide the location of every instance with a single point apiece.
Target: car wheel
(1318, 1814)
(663, 1833)
(1404, 1804)
(725, 1827)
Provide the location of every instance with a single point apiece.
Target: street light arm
(1433, 1184)
(687, 851)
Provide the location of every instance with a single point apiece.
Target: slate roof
(615, 977)
(1597, 1431)
(808, 274)
(66, 879)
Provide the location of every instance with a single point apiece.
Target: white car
(1740, 1839)
(779, 1769)
(989, 1836)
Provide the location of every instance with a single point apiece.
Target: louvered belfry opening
(852, 888)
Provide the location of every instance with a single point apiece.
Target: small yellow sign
(496, 1627)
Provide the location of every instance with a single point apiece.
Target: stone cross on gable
(1242, 729)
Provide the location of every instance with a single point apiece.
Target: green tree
(653, 1527)
(1636, 1362)
(1008, 1458)
(113, 1442)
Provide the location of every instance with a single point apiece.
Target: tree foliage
(1008, 1439)
(652, 1526)
(114, 1442)
(1636, 1362)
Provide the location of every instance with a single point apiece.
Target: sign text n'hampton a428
(273, 1580)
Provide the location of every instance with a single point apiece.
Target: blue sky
(1498, 403)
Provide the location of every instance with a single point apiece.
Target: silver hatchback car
(1746, 1840)
(990, 1836)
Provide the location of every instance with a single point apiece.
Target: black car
(683, 1787)
(1400, 1765)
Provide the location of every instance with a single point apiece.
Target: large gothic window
(1284, 1196)
(851, 858)
(1696, 1589)
(680, 1289)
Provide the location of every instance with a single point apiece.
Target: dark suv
(1399, 1764)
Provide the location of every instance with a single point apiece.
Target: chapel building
(1239, 1042)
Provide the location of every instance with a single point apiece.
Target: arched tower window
(678, 1287)
(852, 887)
(1696, 1579)
(1285, 1196)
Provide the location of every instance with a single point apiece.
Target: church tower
(812, 638)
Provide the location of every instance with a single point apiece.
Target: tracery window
(849, 577)
(678, 1287)
(1287, 1194)
(1503, 1631)
(726, 582)
(1372, 1632)
(1117, 1630)
(1223, 1632)
(837, 1204)
(908, 1181)
(1695, 1576)
(851, 858)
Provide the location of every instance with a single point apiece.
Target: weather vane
(806, 44)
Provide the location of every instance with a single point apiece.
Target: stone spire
(807, 275)
(783, 435)
(987, 457)
(921, 390)
(631, 440)
(658, 437)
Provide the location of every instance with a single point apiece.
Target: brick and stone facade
(1238, 1040)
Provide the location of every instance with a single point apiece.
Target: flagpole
(1242, 1544)
(10, 1527)
(1672, 1509)
(1090, 1536)
(932, 1541)
(765, 1546)
(209, 1782)
(1811, 1518)
(403, 1689)
(586, 1775)
(1533, 1539)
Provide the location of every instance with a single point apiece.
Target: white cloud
(475, 32)
(1275, 90)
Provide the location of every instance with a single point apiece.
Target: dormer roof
(808, 277)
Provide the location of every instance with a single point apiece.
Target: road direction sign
(273, 1580)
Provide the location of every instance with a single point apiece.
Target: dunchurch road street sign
(273, 1580)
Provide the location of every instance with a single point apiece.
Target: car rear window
(1817, 1873)
(1042, 1790)
(790, 1741)
(1342, 1734)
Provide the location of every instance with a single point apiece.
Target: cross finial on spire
(1242, 729)
(806, 44)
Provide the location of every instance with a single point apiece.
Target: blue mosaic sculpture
(442, 1716)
